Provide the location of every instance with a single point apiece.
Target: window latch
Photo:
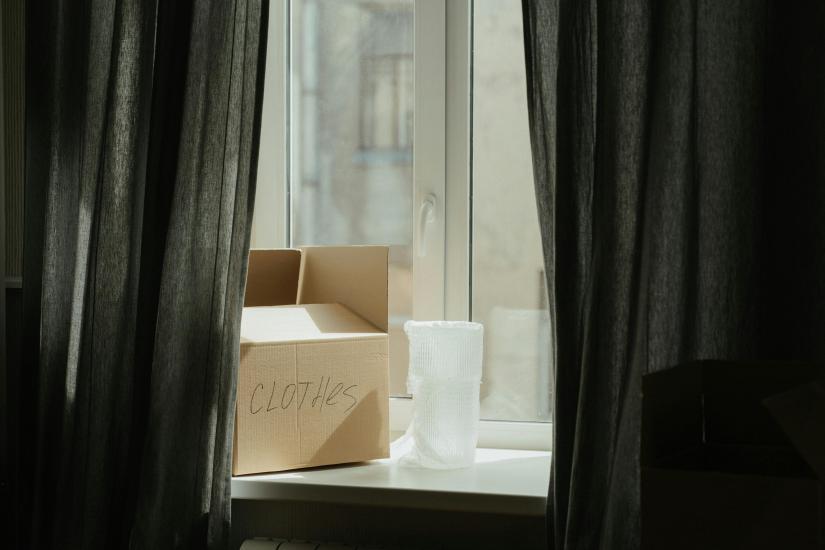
(426, 216)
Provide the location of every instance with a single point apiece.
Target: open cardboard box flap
(353, 276)
(304, 323)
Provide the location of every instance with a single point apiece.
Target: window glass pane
(508, 288)
(351, 123)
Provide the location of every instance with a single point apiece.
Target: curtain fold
(677, 154)
(142, 130)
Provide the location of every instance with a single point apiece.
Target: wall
(390, 528)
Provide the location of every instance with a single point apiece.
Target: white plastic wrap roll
(444, 379)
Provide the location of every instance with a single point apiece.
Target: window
(404, 122)
(508, 280)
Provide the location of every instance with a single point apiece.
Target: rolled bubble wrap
(444, 379)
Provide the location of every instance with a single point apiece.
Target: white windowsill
(501, 481)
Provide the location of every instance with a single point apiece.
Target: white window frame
(442, 180)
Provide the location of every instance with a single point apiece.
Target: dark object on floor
(718, 471)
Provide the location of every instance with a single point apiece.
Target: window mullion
(457, 274)
(429, 159)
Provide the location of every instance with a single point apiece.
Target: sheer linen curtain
(142, 130)
(677, 150)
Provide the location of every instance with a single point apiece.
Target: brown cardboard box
(312, 383)
(729, 457)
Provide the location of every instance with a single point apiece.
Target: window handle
(426, 216)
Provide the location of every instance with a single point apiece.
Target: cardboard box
(718, 471)
(313, 376)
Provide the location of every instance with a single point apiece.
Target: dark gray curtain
(678, 155)
(142, 127)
